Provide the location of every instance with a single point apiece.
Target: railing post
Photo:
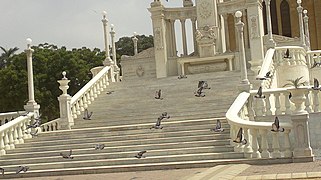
(302, 146)
(64, 104)
(2, 145)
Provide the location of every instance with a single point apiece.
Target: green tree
(6, 55)
(125, 45)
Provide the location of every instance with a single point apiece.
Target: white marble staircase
(122, 120)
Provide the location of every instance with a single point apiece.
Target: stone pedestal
(66, 119)
(32, 107)
(302, 146)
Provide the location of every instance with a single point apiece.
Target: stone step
(108, 154)
(103, 161)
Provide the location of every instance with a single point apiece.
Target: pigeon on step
(287, 54)
(158, 94)
(140, 154)
(87, 115)
(199, 92)
(315, 64)
(259, 93)
(22, 168)
(203, 84)
(109, 92)
(290, 95)
(99, 146)
(218, 127)
(67, 155)
(2, 171)
(316, 84)
(276, 126)
(33, 134)
(181, 77)
(239, 137)
(35, 124)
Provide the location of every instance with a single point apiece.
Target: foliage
(125, 45)
(296, 83)
(48, 63)
(6, 55)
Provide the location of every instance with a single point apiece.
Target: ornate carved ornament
(206, 33)
(140, 71)
(204, 9)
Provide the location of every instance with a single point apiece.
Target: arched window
(274, 18)
(264, 17)
(285, 18)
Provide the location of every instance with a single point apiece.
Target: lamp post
(135, 39)
(107, 61)
(300, 10)
(306, 29)
(240, 27)
(112, 34)
(31, 105)
(271, 43)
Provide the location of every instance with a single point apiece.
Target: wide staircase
(122, 120)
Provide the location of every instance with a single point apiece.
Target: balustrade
(12, 132)
(9, 116)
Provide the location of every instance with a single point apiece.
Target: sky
(72, 23)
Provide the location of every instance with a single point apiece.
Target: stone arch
(285, 18)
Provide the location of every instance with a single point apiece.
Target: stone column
(173, 37)
(227, 35)
(240, 27)
(184, 36)
(66, 119)
(159, 32)
(306, 29)
(116, 68)
(31, 105)
(194, 36)
(256, 33)
(135, 40)
(300, 10)
(107, 61)
(271, 43)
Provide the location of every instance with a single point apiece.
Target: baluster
(316, 101)
(15, 134)
(250, 108)
(255, 146)
(247, 147)
(287, 143)
(264, 144)
(85, 102)
(259, 108)
(107, 79)
(88, 98)
(277, 104)
(6, 140)
(2, 144)
(287, 103)
(101, 84)
(104, 84)
(268, 104)
(232, 134)
(275, 145)
(74, 111)
(94, 92)
(77, 108)
(307, 102)
(20, 133)
(11, 140)
(97, 88)
(81, 104)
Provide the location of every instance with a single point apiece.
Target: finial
(64, 75)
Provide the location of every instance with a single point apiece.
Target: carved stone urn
(298, 98)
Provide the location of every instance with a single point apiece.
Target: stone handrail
(237, 118)
(87, 94)
(14, 132)
(314, 56)
(267, 63)
(277, 102)
(9, 116)
(53, 125)
(297, 55)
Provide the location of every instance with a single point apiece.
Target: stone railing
(80, 101)
(277, 102)
(296, 56)
(267, 66)
(53, 125)
(314, 56)
(257, 134)
(9, 116)
(14, 132)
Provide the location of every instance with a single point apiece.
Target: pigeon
(35, 124)
(276, 126)
(239, 137)
(99, 146)
(203, 84)
(2, 171)
(165, 115)
(33, 134)
(218, 127)
(87, 115)
(268, 75)
(287, 54)
(315, 64)
(140, 154)
(181, 77)
(158, 124)
(290, 95)
(158, 94)
(259, 93)
(199, 92)
(316, 84)
(109, 92)
(22, 168)
(67, 156)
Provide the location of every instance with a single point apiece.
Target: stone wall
(140, 66)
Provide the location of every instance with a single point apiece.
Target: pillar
(184, 36)
(301, 27)
(66, 119)
(227, 35)
(270, 43)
